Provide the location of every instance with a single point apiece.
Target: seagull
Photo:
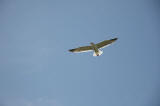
(94, 47)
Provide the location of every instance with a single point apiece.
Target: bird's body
(94, 47)
(97, 52)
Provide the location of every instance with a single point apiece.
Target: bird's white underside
(99, 53)
(84, 51)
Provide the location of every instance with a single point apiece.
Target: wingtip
(115, 39)
(71, 50)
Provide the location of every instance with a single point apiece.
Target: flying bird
(94, 47)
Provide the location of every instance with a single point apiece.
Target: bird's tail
(97, 54)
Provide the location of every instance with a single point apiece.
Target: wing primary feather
(72, 50)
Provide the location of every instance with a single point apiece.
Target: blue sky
(36, 68)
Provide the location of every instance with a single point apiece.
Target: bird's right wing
(81, 49)
(105, 43)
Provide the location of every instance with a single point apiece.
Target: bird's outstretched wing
(81, 49)
(105, 43)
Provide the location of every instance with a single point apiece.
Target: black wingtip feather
(114, 38)
(72, 50)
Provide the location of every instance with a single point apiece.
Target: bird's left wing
(81, 49)
(105, 43)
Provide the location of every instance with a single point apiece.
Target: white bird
(94, 47)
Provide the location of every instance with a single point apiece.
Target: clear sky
(36, 68)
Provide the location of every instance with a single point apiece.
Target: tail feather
(98, 54)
